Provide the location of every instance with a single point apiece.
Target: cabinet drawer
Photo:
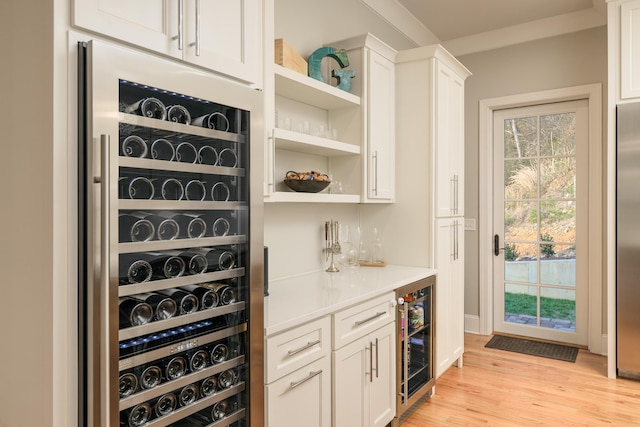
(359, 320)
(296, 348)
(302, 398)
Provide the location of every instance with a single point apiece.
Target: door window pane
(521, 179)
(520, 304)
(521, 137)
(558, 134)
(558, 309)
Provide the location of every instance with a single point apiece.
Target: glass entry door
(540, 223)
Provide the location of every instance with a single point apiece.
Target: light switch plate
(469, 224)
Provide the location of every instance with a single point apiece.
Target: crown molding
(402, 20)
(530, 31)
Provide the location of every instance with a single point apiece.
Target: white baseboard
(472, 324)
(605, 344)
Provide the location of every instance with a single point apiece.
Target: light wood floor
(502, 388)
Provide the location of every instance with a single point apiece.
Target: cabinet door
(456, 319)
(351, 373)
(444, 295)
(630, 49)
(382, 396)
(152, 24)
(225, 35)
(302, 397)
(380, 99)
(449, 141)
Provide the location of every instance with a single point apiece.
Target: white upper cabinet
(630, 49)
(374, 64)
(449, 133)
(221, 35)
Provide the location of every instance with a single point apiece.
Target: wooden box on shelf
(286, 56)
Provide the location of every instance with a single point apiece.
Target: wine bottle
(208, 298)
(163, 307)
(136, 416)
(135, 269)
(198, 360)
(168, 189)
(138, 187)
(207, 155)
(134, 146)
(223, 408)
(227, 378)
(162, 149)
(186, 153)
(220, 192)
(188, 395)
(219, 258)
(165, 266)
(226, 294)
(192, 226)
(219, 353)
(227, 158)
(127, 384)
(174, 368)
(165, 404)
(221, 227)
(150, 377)
(195, 190)
(132, 228)
(134, 312)
(208, 386)
(187, 302)
(148, 107)
(166, 228)
(195, 263)
(178, 114)
(217, 121)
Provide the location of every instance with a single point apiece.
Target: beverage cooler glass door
(174, 316)
(415, 343)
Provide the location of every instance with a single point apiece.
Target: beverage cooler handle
(105, 178)
(405, 350)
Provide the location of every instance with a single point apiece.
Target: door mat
(535, 348)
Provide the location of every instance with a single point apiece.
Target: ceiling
(454, 19)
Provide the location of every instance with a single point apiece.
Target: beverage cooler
(415, 323)
(172, 290)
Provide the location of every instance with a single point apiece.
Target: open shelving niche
(301, 98)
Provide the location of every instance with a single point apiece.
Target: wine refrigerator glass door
(172, 248)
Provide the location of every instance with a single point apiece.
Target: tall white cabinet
(430, 190)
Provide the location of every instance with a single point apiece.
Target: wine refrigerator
(415, 340)
(171, 243)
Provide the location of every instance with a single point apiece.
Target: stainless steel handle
(455, 194)
(197, 42)
(312, 374)
(370, 362)
(455, 239)
(369, 319)
(303, 348)
(272, 153)
(375, 174)
(180, 35)
(405, 349)
(377, 357)
(105, 178)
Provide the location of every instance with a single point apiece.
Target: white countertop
(299, 299)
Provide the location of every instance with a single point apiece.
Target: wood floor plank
(499, 388)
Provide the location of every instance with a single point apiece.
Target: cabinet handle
(368, 319)
(375, 174)
(455, 193)
(197, 42)
(312, 374)
(180, 35)
(370, 362)
(377, 357)
(303, 348)
(272, 153)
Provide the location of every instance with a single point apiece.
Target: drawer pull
(303, 348)
(375, 316)
(312, 374)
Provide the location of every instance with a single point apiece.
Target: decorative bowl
(306, 182)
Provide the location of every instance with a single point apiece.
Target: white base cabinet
(302, 398)
(364, 381)
(449, 294)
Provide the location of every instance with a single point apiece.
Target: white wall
(35, 319)
(563, 61)
(293, 232)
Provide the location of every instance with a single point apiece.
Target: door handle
(496, 245)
